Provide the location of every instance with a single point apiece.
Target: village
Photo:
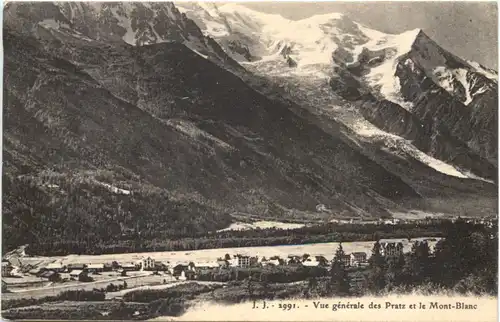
(18, 275)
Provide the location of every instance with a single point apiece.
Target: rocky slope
(101, 131)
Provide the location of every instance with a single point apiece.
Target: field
(29, 286)
(262, 225)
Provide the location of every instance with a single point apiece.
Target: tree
(454, 255)
(394, 275)
(312, 286)
(377, 266)
(265, 285)
(227, 257)
(250, 287)
(339, 279)
(417, 268)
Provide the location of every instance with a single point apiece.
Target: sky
(467, 29)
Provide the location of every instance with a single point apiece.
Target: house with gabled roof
(358, 258)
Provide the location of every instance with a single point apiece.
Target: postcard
(250, 161)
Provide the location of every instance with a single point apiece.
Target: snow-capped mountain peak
(314, 45)
(317, 59)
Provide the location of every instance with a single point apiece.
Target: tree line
(465, 261)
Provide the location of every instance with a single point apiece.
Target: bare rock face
(134, 23)
(446, 94)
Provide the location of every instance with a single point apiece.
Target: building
(160, 266)
(243, 261)
(178, 269)
(56, 267)
(181, 276)
(130, 267)
(7, 268)
(78, 274)
(358, 259)
(391, 249)
(51, 276)
(271, 262)
(311, 262)
(207, 265)
(95, 268)
(321, 260)
(77, 266)
(346, 260)
(293, 259)
(148, 264)
(184, 272)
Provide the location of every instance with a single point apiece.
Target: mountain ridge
(365, 61)
(192, 137)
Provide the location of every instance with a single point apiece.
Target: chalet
(77, 273)
(391, 249)
(95, 268)
(184, 272)
(160, 266)
(358, 259)
(7, 268)
(56, 267)
(148, 264)
(179, 268)
(51, 276)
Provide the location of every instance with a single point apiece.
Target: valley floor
(209, 255)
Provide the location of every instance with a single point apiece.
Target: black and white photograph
(250, 161)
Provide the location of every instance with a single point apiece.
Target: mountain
(135, 23)
(404, 85)
(111, 139)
